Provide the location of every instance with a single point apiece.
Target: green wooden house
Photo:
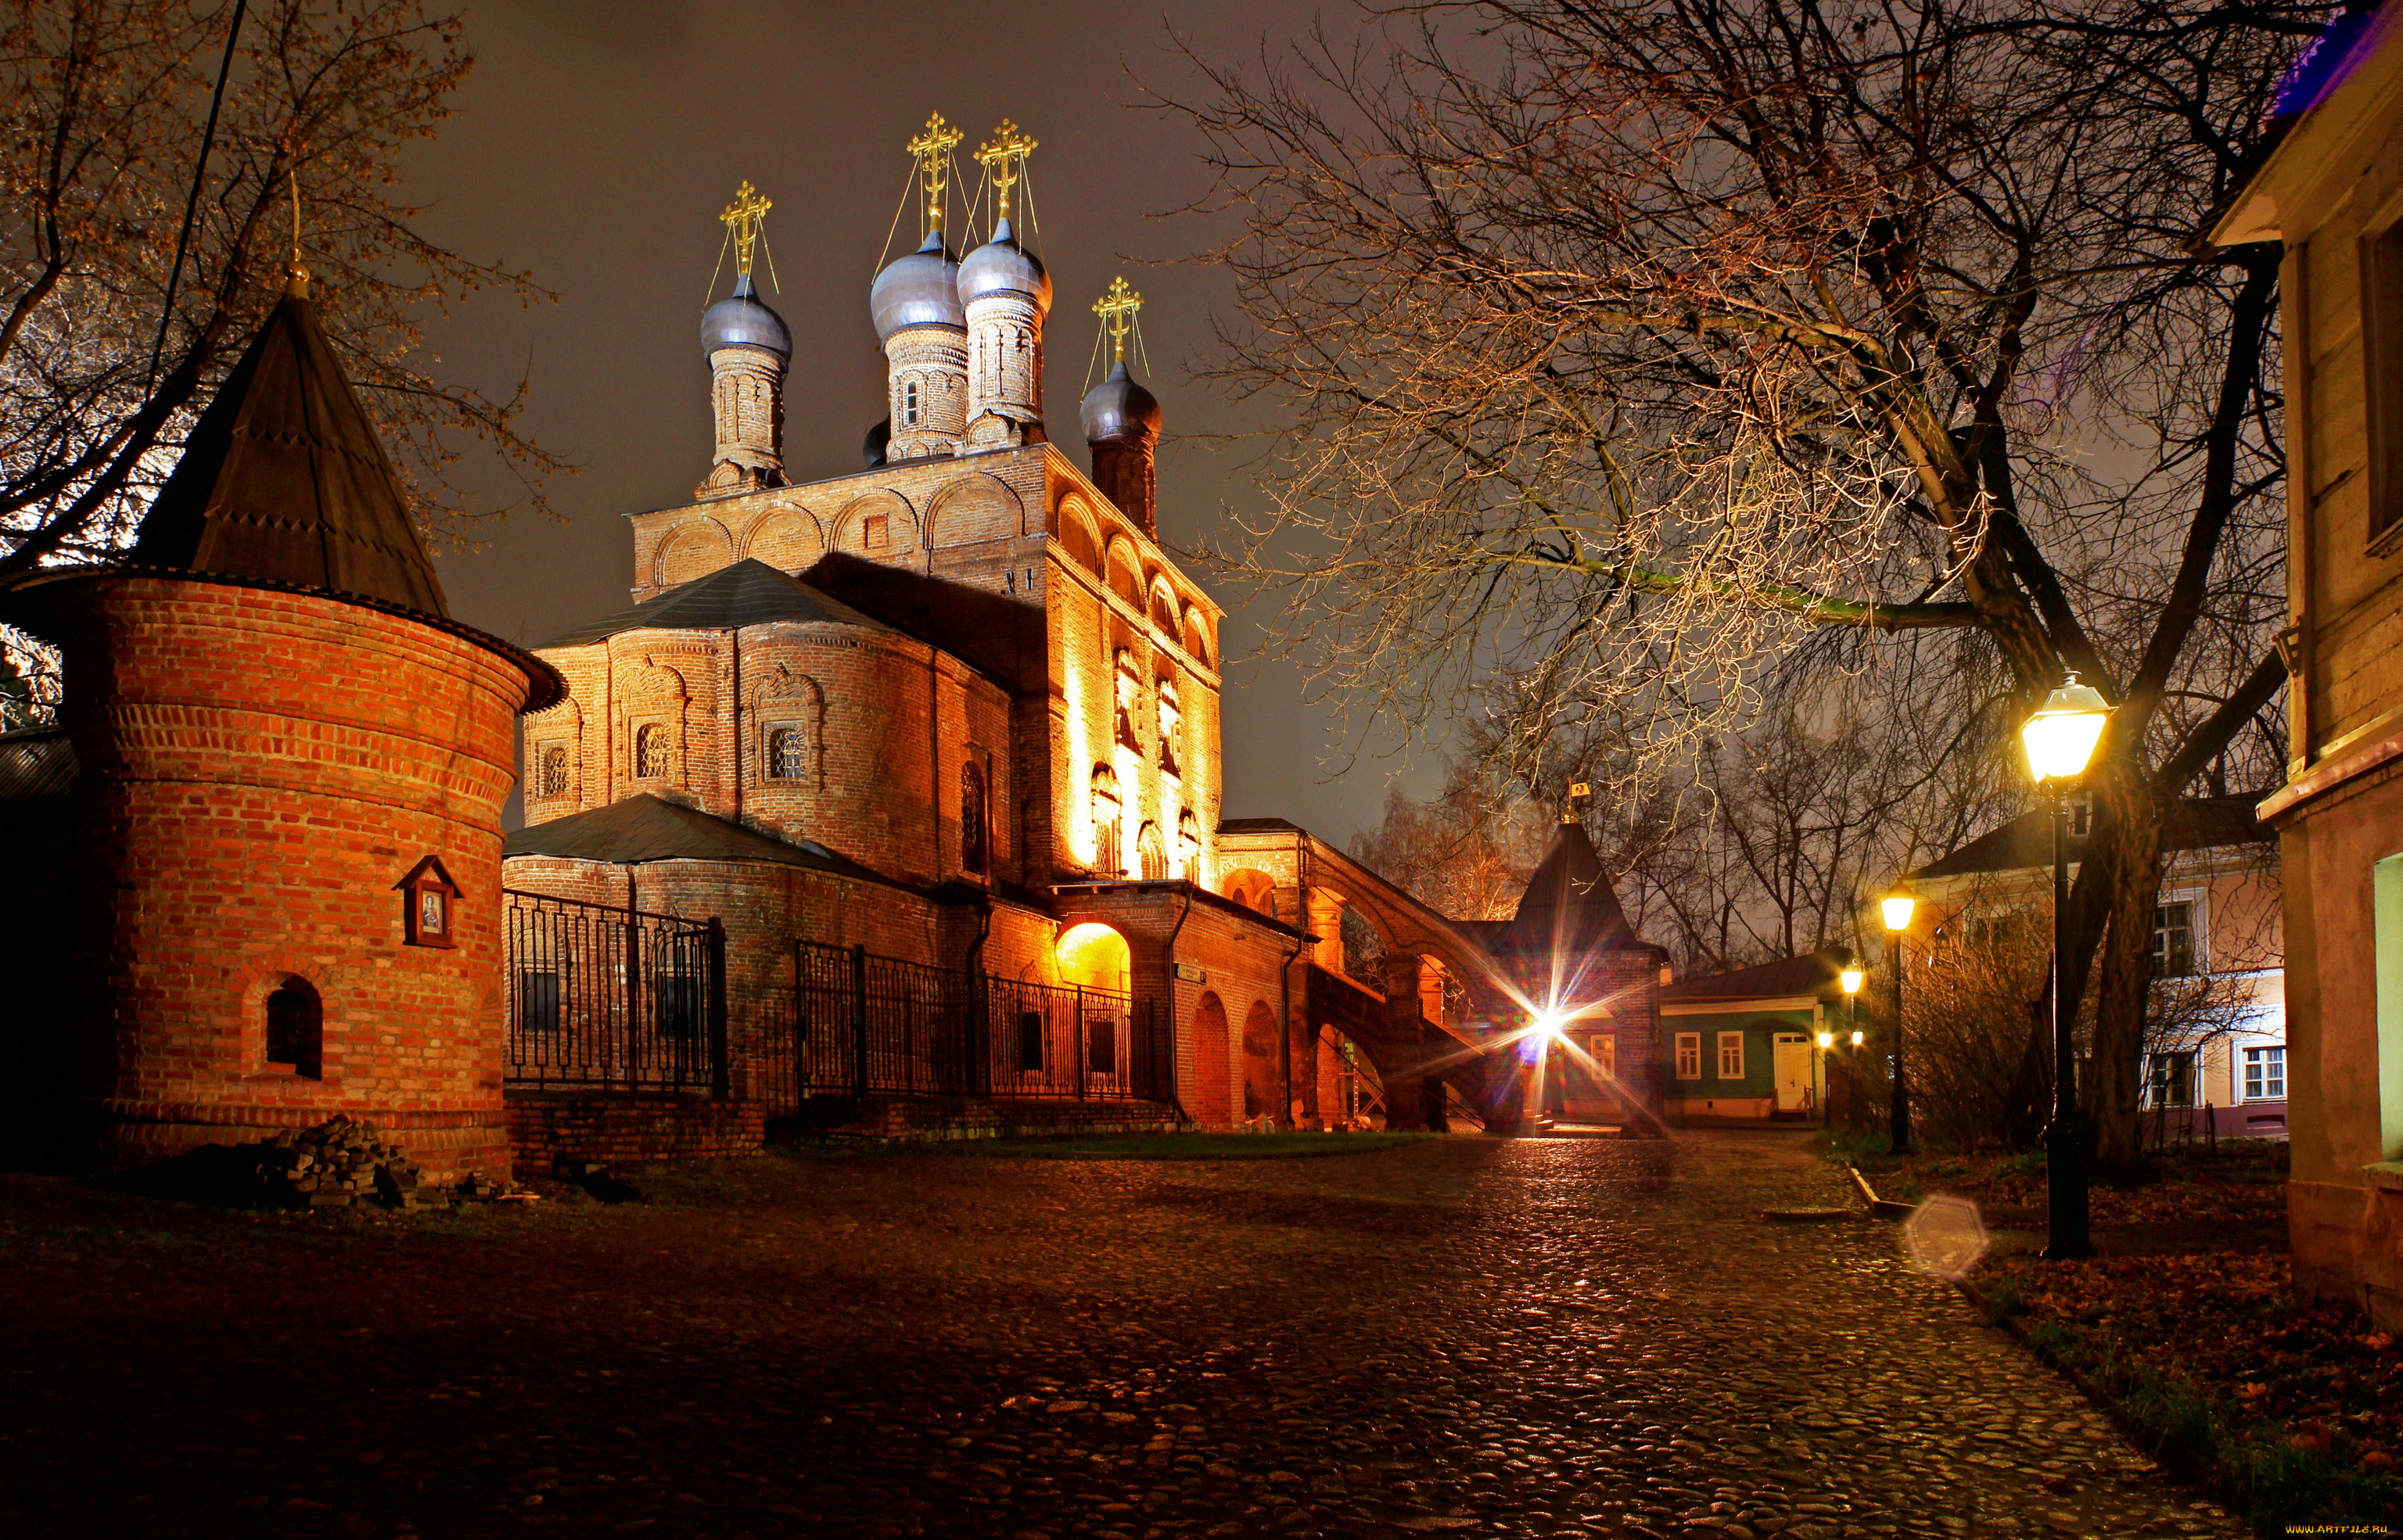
(1743, 1047)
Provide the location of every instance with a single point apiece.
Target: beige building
(2332, 191)
(2215, 1057)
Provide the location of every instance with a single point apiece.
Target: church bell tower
(748, 347)
(1003, 294)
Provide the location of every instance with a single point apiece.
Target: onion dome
(874, 447)
(921, 289)
(1002, 266)
(1118, 408)
(741, 320)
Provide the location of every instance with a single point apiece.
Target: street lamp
(1851, 976)
(2061, 739)
(1897, 908)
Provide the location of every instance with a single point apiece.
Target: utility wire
(192, 203)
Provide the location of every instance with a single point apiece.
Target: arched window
(910, 404)
(296, 1028)
(972, 821)
(787, 753)
(1153, 853)
(1123, 689)
(1171, 757)
(1109, 854)
(651, 752)
(553, 778)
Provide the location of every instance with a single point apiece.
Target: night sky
(595, 146)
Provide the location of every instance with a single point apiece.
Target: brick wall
(259, 769)
(546, 1128)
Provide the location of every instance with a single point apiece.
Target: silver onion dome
(921, 289)
(1118, 408)
(1002, 266)
(741, 320)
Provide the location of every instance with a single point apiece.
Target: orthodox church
(891, 801)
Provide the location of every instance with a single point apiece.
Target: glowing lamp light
(1851, 979)
(1827, 1039)
(1547, 1025)
(1897, 908)
(2060, 737)
(1858, 1038)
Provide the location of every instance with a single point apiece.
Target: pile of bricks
(342, 1161)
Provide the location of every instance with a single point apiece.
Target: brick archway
(1212, 1101)
(1263, 1073)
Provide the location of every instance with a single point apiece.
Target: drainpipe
(1173, 932)
(980, 1005)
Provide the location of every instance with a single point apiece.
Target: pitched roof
(36, 762)
(642, 828)
(283, 479)
(1568, 906)
(749, 593)
(2194, 822)
(1812, 973)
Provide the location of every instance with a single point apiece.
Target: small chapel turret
(748, 347)
(1122, 419)
(1005, 294)
(915, 303)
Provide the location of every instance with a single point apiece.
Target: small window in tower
(910, 404)
(972, 823)
(651, 752)
(787, 753)
(872, 531)
(552, 781)
(296, 1028)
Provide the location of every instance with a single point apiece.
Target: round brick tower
(291, 765)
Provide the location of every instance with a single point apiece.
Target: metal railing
(864, 1025)
(611, 998)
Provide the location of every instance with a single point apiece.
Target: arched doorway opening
(1212, 1101)
(1351, 1092)
(1094, 956)
(1263, 1071)
(296, 1028)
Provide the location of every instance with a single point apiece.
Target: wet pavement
(1464, 1337)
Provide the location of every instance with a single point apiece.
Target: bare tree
(108, 103)
(1468, 853)
(1623, 345)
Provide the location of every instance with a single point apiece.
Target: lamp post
(1852, 977)
(2060, 739)
(1896, 907)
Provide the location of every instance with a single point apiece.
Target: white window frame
(1690, 1056)
(1730, 1043)
(1604, 1047)
(2197, 901)
(2255, 1055)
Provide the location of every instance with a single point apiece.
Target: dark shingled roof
(283, 479)
(2194, 822)
(1568, 907)
(1813, 973)
(749, 593)
(1259, 825)
(36, 762)
(642, 828)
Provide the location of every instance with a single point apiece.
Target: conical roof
(1568, 907)
(284, 481)
(750, 592)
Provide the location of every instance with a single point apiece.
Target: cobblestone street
(1466, 1336)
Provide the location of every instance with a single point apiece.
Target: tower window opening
(787, 753)
(909, 403)
(651, 752)
(296, 1028)
(554, 770)
(972, 821)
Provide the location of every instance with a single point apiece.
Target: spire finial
(744, 219)
(1005, 156)
(1116, 306)
(932, 149)
(297, 273)
(1578, 792)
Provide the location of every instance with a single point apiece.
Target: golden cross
(1117, 308)
(1005, 156)
(932, 151)
(743, 219)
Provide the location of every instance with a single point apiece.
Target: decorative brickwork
(258, 769)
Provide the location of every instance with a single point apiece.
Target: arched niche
(1124, 576)
(1163, 609)
(786, 537)
(1078, 535)
(974, 509)
(1197, 637)
(691, 551)
(878, 525)
(788, 702)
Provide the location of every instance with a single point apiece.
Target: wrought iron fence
(866, 1025)
(613, 998)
